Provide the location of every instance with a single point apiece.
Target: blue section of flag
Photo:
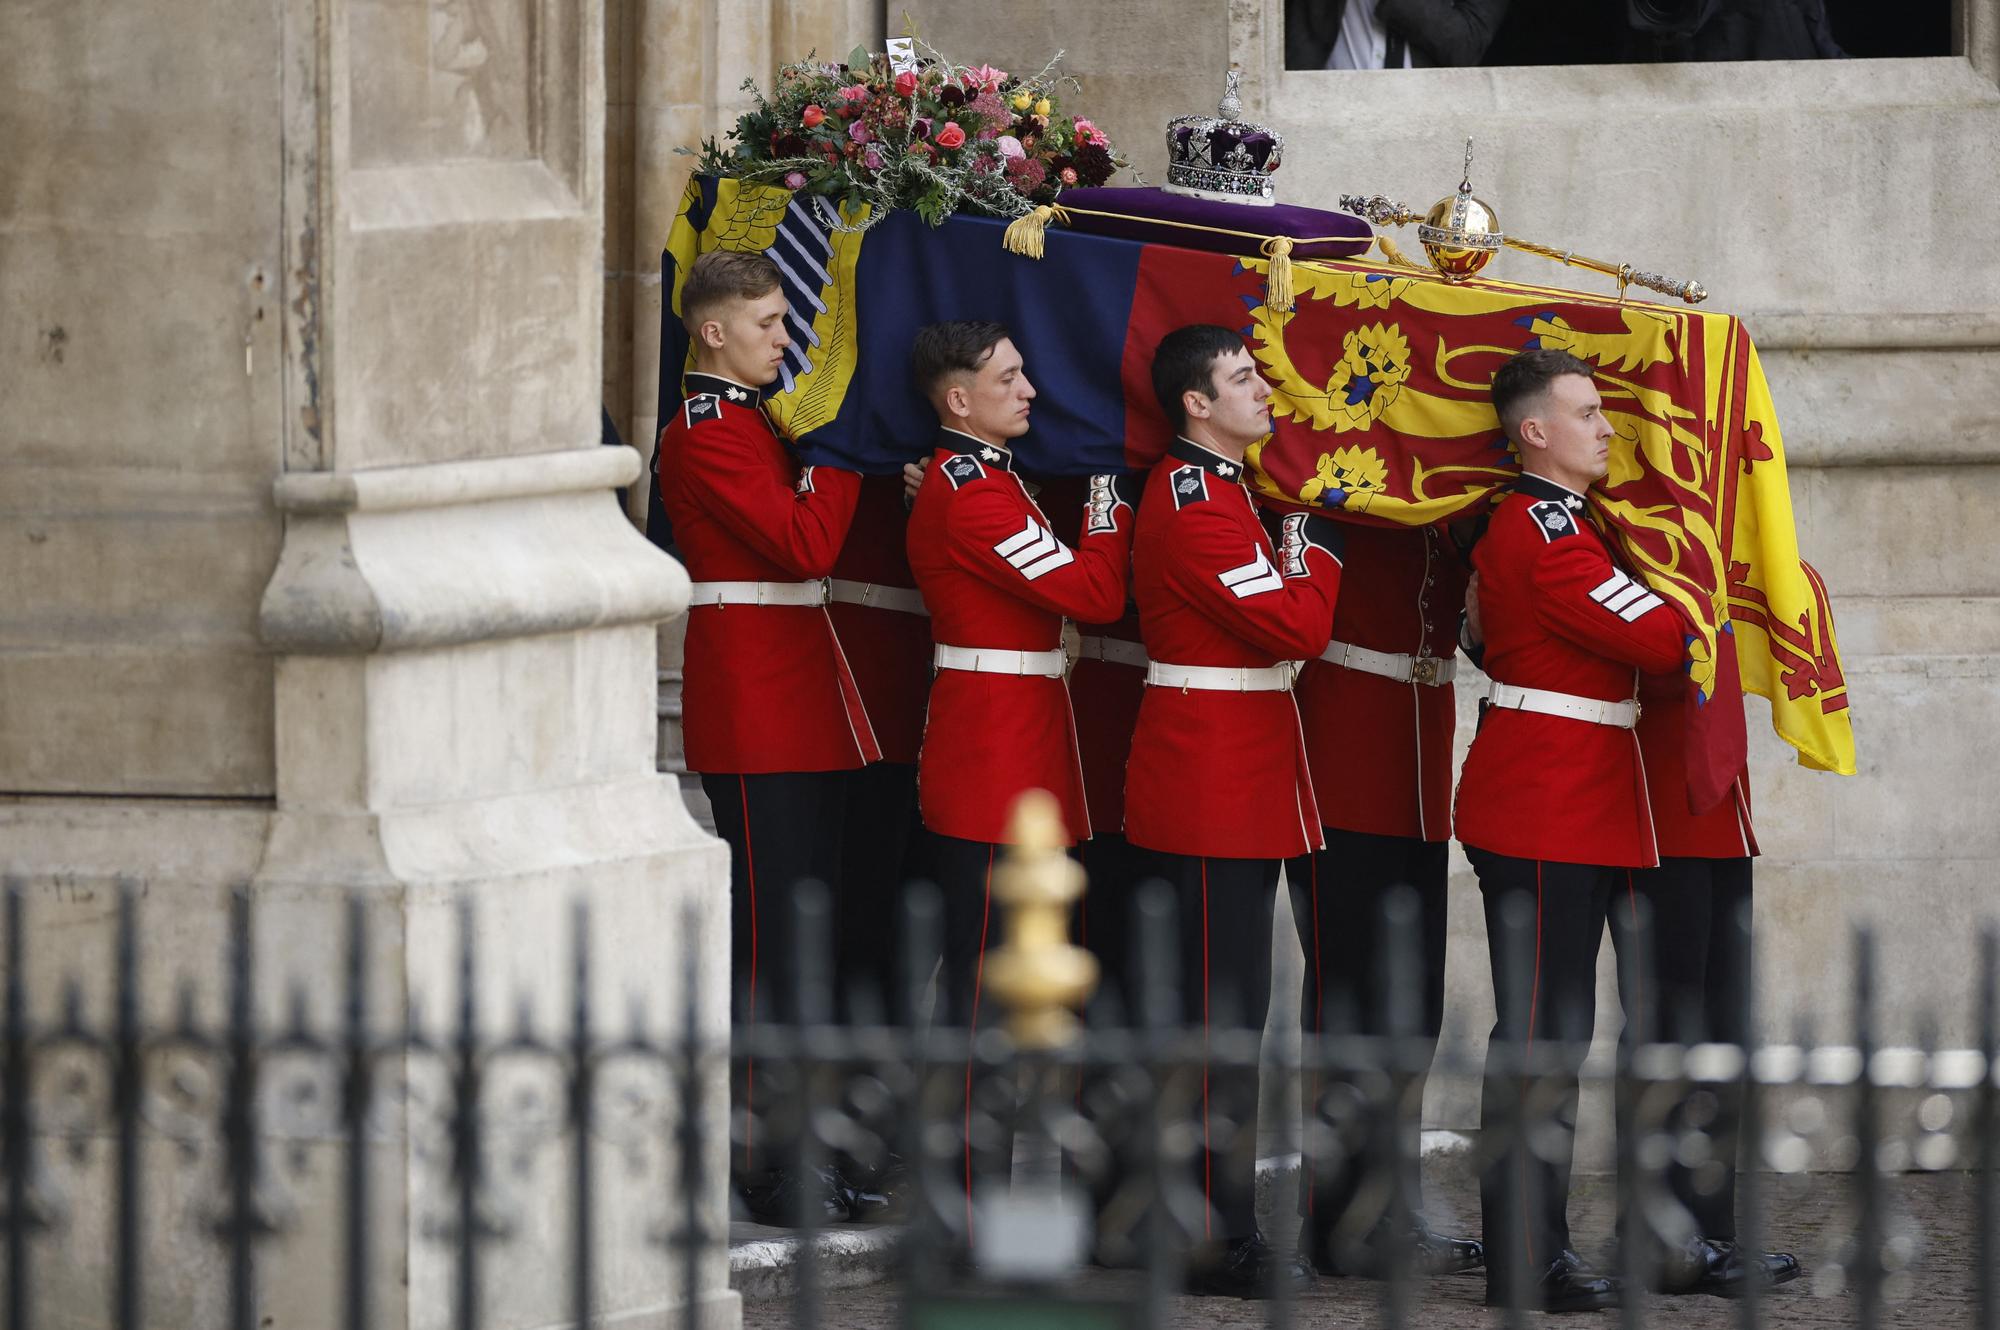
(1068, 312)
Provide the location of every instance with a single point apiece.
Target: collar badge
(989, 454)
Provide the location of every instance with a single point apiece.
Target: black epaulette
(1190, 485)
(960, 468)
(700, 407)
(1553, 519)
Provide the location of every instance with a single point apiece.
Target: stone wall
(314, 582)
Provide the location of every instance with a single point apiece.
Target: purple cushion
(1142, 212)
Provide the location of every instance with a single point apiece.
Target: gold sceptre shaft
(1038, 975)
(1383, 211)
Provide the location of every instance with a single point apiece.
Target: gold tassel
(1025, 234)
(1396, 256)
(1278, 281)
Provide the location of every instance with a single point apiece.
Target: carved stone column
(322, 587)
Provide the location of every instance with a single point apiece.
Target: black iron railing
(1109, 1112)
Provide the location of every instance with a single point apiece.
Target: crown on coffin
(1222, 157)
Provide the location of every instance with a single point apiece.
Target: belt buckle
(825, 591)
(1424, 669)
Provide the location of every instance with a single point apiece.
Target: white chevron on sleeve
(1252, 578)
(1623, 596)
(1034, 550)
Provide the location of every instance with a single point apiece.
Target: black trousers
(1546, 998)
(1692, 925)
(783, 829)
(1225, 908)
(984, 1101)
(1340, 897)
(885, 847)
(1107, 925)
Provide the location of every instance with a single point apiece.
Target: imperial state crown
(1221, 156)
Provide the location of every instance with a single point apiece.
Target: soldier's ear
(1196, 404)
(709, 334)
(957, 400)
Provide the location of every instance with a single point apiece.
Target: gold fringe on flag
(1025, 234)
(1278, 281)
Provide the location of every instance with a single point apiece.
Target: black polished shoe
(1772, 1267)
(1246, 1268)
(1430, 1253)
(774, 1198)
(882, 1197)
(1566, 1285)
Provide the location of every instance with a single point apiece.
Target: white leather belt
(1622, 715)
(1221, 678)
(907, 600)
(999, 660)
(758, 593)
(1428, 670)
(1116, 650)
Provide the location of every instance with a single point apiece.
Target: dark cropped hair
(1185, 360)
(1519, 384)
(722, 275)
(959, 346)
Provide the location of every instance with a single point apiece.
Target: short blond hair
(723, 275)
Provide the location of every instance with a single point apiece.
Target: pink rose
(986, 76)
(795, 180)
(951, 136)
(811, 117)
(1009, 146)
(872, 160)
(906, 83)
(858, 132)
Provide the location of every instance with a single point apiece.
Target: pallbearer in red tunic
(998, 581)
(1691, 916)
(1379, 713)
(1217, 784)
(1552, 804)
(774, 721)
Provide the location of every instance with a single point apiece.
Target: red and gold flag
(1382, 408)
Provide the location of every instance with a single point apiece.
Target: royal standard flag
(1380, 402)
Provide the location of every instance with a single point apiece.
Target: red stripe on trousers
(972, 1030)
(749, 1064)
(1534, 1002)
(1207, 1159)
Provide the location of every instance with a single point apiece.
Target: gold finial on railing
(1038, 975)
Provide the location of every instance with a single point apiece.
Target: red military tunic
(994, 575)
(767, 688)
(1721, 832)
(1559, 614)
(1105, 684)
(1221, 774)
(879, 615)
(1381, 747)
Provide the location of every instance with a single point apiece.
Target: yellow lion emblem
(1345, 471)
(1374, 365)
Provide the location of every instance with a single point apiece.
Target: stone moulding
(415, 557)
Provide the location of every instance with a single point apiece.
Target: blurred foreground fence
(230, 1143)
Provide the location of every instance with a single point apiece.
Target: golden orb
(1461, 234)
